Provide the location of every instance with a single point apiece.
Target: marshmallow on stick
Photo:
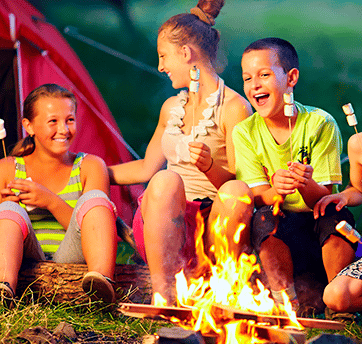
(351, 119)
(3, 135)
(194, 88)
(348, 231)
(289, 112)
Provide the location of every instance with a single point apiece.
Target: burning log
(278, 335)
(223, 312)
(282, 321)
(62, 282)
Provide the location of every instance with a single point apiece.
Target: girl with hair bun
(55, 203)
(193, 136)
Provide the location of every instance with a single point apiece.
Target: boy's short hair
(288, 57)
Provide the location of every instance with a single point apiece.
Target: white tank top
(175, 144)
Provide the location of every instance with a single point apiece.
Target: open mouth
(61, 140)
(261, 98)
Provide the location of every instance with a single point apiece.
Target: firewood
(62, 282)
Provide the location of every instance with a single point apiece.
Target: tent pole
(12, 20)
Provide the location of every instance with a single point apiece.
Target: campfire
(225, 301)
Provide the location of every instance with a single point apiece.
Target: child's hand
(301, 173)
(283, 182)
(9, 195)
(200, 156)
(340, 199)
(31, 193)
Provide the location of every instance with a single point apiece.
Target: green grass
(86, 317)
(97, 319)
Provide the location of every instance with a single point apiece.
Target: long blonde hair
(26, 145)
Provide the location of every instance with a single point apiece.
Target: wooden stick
(289, 112)
(4, 147)
(194, 88)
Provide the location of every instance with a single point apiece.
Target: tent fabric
(44, 56)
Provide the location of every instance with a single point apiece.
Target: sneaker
(98, 287)
(6, 295)
(345, 318)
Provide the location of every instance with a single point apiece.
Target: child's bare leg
(277, 262)
(11, 252)
(99, 240)
(344, 294)
(163, 211)
(337, 254)
(235, 203)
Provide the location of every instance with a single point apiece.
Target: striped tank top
(47, 229)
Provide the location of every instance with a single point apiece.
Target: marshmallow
(2, 129)
(351, 120)
(288, 98)
(348, 109)
(289, 110)
(195, 73)
(348, 231)
(194, 86)
(350, 116)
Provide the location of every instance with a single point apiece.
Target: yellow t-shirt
(316, 141)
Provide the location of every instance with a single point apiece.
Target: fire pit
(226, 303)
(262, 327)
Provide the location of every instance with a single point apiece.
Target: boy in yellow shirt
(296, 173)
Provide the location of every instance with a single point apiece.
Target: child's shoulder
(90, 160)
(314, 111)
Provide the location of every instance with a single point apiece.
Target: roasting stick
(351, 119)
(3, 135)
(194, 88)
(289, 112)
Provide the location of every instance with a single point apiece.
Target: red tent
(32, 53)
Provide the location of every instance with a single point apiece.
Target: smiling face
(54, 125)
(265, 82)
(172, 62)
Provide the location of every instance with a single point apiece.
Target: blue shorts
(304, 235)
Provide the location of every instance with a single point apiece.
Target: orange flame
(225, 280)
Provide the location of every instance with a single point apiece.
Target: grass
(99, 321)
(89, 317)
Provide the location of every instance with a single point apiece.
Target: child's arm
(352, 195)
(355, 161)
(7, 174)
(348, 197)
(235, 110)
(283, 184)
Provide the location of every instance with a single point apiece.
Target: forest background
(327, 36)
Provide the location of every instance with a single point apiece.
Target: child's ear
(187, 52)
(293, 76)
(27, 126)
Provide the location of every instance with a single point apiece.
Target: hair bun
(205, 17)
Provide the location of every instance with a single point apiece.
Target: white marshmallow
(348, 109)
(194, 86)
(351, 120)
(289, 110)
(288, 98)
(348, 231)
(195, 73)
(2, 129)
